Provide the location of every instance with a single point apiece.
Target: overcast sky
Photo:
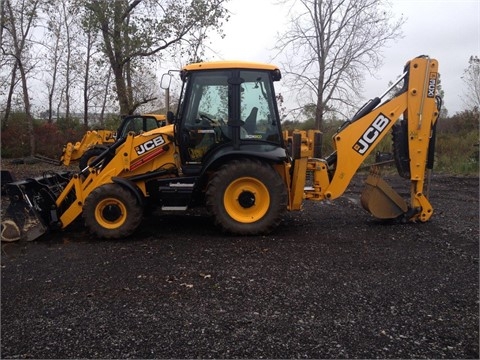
(448, 30)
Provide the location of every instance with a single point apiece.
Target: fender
(267, 152)
(130, 185)
(271, 153)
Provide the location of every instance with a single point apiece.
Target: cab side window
(150, 123)
(135, 125)
(257, 109)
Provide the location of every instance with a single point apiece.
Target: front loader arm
(54, 201)
(130, 156)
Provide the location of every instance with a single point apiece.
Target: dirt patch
(330, 282)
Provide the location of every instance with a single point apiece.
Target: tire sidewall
(114, 191)
(247, 169)
(89, 156)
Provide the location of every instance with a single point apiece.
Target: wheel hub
(246, 199)
(111, 212)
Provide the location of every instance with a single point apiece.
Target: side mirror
(165, 81)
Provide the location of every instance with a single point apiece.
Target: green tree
(133, 31)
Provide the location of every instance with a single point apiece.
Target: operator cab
(140, 123)
(226, 105)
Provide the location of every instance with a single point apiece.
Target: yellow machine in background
(94, 142)
(224, 150)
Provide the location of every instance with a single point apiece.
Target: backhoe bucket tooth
(381, 200)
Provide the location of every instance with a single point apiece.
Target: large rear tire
(112, 212)
(246, 197)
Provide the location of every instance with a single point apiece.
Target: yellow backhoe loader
(94, 142)
(224, 150)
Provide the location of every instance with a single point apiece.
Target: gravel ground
(330, 282)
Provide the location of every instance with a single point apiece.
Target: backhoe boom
(356, 139)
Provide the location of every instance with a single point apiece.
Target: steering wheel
(205, 117)
(218, 121)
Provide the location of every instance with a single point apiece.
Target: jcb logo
(149, 145)
(432, 84)
(371, 134)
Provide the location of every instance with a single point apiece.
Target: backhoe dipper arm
(417, 104)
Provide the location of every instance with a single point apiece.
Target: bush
(457, 146)
(15, 138)
(49, 137)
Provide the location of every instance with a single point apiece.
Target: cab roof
(231, 64)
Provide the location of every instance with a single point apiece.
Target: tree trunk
(86, 81)
(104, 103)
(121, 89)
(19, 49)
(8, 107)
(319, 115)
(68, 75)
(54, 81)
(28, 113)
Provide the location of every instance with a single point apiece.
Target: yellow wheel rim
(246, 200)
(110, 213)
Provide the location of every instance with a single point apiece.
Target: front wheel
(246, 197)
(112, 212)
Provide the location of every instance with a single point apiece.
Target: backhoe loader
(94, 142)
(224, 150)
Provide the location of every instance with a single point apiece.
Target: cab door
(226, 107)
(203, 121)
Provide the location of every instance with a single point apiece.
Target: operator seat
(251, 121)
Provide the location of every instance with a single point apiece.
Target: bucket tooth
(381, 200)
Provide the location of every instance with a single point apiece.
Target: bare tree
(88, 62)
(471, 78)
(8, 66)
(67, 16)
(11, 84)
(54, 52)
(330, 44)
(19, 21)
(63, 29)
(104, 98)
(87, 84)
(136, 30)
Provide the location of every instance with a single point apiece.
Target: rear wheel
(112, 212)
(246, 197)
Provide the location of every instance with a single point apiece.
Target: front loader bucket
(381, 200)
(31, 210)
(22, 222)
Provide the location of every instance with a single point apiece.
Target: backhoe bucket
(381, 200)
